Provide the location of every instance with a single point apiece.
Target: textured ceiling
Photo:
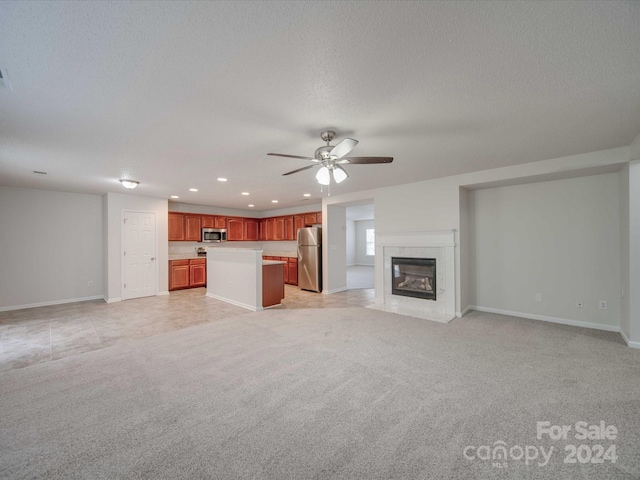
(176, 94)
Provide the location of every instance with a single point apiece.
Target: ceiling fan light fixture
(130, 184)
(339, 174)
(323, 176)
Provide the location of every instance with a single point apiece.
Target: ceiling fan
(332, 158)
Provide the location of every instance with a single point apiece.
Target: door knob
(153, 258)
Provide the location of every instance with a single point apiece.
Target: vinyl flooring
(44, 334)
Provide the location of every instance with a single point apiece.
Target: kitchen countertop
(184, 256)
(273, 262)
(280, 254)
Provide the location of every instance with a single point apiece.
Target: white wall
(634, 253)
(361, 243)
(334, 249)
(351, 242)
(439, 204)
(559, 238)
(625, 323)
(51, 246)
(466, 281)
(117, 203)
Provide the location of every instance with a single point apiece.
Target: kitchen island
(239, 276)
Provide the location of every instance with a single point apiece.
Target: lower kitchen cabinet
(290, 268)
(292, 271)
(197, 272)
(187, 273)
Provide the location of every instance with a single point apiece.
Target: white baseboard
(335, 290)
(253, 308)
(112, 300)
(544, 318)
(53, 302)
(627, 341)
(166, 292)
(464, 312)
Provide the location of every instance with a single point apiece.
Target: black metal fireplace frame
(427, 262)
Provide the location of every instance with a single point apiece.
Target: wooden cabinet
(289, 231)
(290, 268)
(298, 222)
(197, 272)
(187, 273)
(292, 271)
(251, 229)
(235, 229)
(188, 226)
(176, 226)
(310, 218)
(220, 222)
(272, 284)
(278, 228)
(178, 274)
(208, 221)
(193, 227)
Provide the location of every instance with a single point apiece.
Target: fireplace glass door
(414, 277)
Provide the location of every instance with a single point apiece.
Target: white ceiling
(176, 94)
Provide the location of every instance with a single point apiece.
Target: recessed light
(307, 195)
(245, 193)
(274, 201)
(193, 189)
(251, 205)
(175, 196)
(222, 179)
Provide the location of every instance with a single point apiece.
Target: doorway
(139, 270)
(360, 241)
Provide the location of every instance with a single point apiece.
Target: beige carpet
(346, 393)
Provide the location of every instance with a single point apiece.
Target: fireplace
(414, 277)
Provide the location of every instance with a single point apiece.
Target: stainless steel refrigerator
(310, 258)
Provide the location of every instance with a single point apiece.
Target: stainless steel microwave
(214, 235)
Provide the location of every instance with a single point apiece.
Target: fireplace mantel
(433, 244)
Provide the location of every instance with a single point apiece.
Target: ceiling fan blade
(344, 147)
(298, 170)
(290, 156)
(366, 160)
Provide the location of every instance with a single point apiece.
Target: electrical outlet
(538, 297)
(603, 305)
(579, 304)
(90, 283)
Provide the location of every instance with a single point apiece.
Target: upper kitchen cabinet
(289, 231)
(298, 222)
(208, 221)
(251, 229)
(235, 229)
(176, 226)
(220, 222)
(193, 227)
(312, 218)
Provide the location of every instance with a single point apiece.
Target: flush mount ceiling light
(245, 193)
(193, 189)
(130, 184)
(175, 196)
(222, 179)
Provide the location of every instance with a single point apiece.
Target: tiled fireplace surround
(439, 245)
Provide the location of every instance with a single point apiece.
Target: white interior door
(139, 255)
